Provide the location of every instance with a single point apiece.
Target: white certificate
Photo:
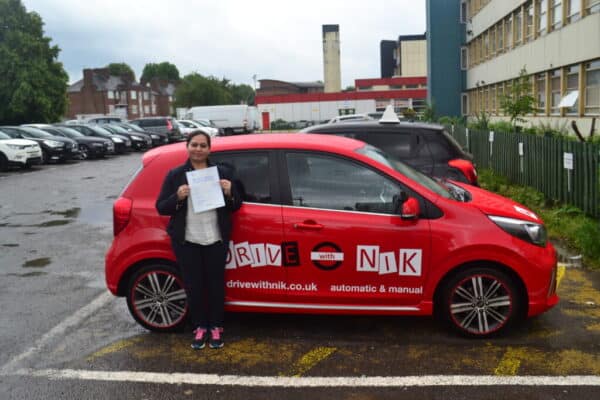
(205, 189)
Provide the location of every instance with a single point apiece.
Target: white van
(240, 118)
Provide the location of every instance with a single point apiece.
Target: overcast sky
(235, 39)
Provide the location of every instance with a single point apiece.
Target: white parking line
(302, 382)
(59, 329)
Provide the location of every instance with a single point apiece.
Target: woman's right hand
(182, 192)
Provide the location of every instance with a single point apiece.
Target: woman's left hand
(226, 186)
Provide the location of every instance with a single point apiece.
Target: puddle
(56, 222)
(37, 263)
(70, 213)
(10, 245)
(28, 274)
(110, 197)
(88, 177)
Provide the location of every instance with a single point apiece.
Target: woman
(200, 240)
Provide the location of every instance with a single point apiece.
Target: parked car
(103, 120)
(426, 147)
(21, 153)
(121, 143)
(139, 141)
(344, 229)
(166, 125)
(232, 118)
(349, 118)
(158, 138)
(89, 146)
(214, 129)
(54, 148)
(189, 126)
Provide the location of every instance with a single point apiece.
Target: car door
(257, 258)
(354, 252)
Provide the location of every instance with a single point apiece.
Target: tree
(121, 69)
(242, 94)
(518, 101)
(164, 70)
(197, 90)
(33, 84)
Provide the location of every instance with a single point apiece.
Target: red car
(336, 226)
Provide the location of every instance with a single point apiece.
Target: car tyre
(3, 162)
(45, 158)
(84, 152)
(480, 302)
(156, 298)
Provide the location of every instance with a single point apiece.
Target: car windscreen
(36, 133)
(100, 130)
(131, 127)
(387, 160)
(4, 136)
(114, 128)
(72, 133)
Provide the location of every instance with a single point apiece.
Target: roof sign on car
(389, 116)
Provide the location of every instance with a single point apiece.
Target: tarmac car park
(344, 229)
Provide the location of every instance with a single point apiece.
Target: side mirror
(410, 209)
(398, 200)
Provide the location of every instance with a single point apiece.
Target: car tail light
(121, 214)
(466, 167)
(169, 125)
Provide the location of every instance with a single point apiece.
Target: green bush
(565, 223)
(501, 126)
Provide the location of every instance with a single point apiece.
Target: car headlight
(16, 146)
(117, 140)
(155, 136)
(53, 143)
(524, 230)
(133, 137)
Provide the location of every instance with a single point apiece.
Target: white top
(201, 228)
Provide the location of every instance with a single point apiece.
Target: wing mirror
(407, 207)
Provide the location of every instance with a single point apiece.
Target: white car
(349, 118)
(18, 152)
(187, 126)
(212, 128)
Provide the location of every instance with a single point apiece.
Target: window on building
(528, 22)
(518, 27)
(134, 109)
(463, 12)
(170, 99)
(493, 41)
(499, 94)
(573, 10)
(146, 96)
(592, 88)
(486, 45)
(542, 16)
(556, 13)
(133, 94)
(116, 95)
(555, 92)
(464, 104)
(146, 109)
(573, 85)
(486, 100)
(500, 37)
(464, 60)
(111, 109)
(540, 84)
(508, 36)
(493, 98)
(593, 6)
(110, 94)
(153, 108)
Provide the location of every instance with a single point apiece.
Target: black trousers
(203, 272)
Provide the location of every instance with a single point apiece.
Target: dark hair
(196, 133)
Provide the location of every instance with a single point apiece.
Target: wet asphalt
(55, 227)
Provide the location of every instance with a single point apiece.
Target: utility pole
(254, 79)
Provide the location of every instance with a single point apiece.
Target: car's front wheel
(481, 301)
(156, 298)
(84, 152)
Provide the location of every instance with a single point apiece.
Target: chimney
(88, 77)
(331, 58)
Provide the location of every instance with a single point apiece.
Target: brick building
(99, 92)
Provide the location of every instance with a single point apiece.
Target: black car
(89, 146)
(158, 138)
(54, 148)
(139, 141)
(122, 144)
(166, 125)
(426, 147)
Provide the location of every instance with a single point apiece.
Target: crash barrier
(562, 169)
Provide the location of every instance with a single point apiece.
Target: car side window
(327, 182)
(252, 172)
(398, 144)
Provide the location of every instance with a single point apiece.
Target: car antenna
(389, 116)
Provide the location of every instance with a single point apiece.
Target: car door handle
(308, 225)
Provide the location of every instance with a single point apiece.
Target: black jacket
(167, 203)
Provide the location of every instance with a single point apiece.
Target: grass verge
(565, 223)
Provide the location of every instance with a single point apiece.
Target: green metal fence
(561, 169)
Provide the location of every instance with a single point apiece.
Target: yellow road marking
(115, 347)
(310, 359)
(510, 363)
(560, 273)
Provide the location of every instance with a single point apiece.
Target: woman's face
(198, 149)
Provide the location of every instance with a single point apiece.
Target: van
(232, 119)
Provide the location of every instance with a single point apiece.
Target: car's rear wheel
(481, 301)
(156, 298)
